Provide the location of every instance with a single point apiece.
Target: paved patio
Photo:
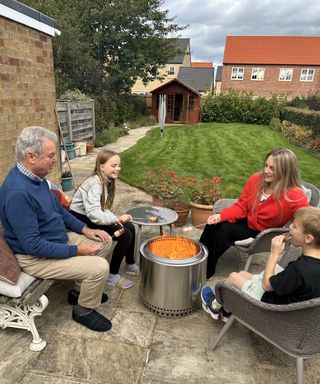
(141, 347)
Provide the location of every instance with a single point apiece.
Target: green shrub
(295, 133)
(239, 107)
(275, 124)
(142, 121)
(73, 95)
(303, 117)
(110, 135)
(113, 110)
(314, 144)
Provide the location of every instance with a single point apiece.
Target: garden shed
(182, 102)
(27, 83)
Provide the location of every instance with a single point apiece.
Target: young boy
(299, 281)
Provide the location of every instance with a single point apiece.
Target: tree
(106, 45)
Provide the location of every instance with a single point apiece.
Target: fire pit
(172, 272)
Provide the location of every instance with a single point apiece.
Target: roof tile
(283, 50)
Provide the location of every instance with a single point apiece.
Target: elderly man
(48, 241)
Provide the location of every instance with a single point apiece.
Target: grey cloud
(210, 21)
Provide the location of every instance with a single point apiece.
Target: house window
(237, 73)
(171, 71)
(257, 74)
(285, 74)
(307, 74)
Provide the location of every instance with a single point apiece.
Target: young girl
(92, 203)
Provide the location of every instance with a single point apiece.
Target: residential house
(199, 78)
(170, 70)
(218, 77)
(201, 64)
(27, 82)
(272, 65)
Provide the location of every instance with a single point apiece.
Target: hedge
(304, 117)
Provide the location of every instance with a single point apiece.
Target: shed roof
(283, 50)
(177, 81)
(200, 78)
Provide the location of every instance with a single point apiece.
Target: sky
(210, 21)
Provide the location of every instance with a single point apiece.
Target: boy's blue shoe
(207, 297)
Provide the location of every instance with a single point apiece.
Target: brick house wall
(270, 85)
(27, 87)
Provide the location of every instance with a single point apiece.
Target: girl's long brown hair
(108, 186)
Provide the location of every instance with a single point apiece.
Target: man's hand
(95, 234)
(88, 249)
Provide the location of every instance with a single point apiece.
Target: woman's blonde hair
(286, 171)
(110, 185)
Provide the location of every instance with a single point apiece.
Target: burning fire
(173, 248)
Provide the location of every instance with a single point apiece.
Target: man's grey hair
(31, 139)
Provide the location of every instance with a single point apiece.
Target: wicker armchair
(262, 241)
(293, 328)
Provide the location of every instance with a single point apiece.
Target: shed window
(307, 74)
(237, 73)
(191, 102)
(257, 74)
(285, 74)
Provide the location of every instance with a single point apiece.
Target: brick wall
(270, 85)
(27, 87)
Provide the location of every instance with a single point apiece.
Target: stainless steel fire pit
(171, 286)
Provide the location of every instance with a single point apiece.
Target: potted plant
(204, 194)
(66, 181)
(169, 190)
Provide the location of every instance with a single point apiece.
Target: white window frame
(307, 74)
(258, 73)
(285, 74)
(236, 73)
(171, 70)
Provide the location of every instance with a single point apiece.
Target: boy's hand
(277, 246)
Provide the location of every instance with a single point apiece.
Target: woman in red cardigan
(269, 199)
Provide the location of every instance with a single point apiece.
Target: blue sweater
(33, 220)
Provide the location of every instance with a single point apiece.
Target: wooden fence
(77, 120)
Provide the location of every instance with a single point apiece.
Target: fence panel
(77, 120)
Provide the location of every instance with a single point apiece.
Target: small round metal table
(141, 215)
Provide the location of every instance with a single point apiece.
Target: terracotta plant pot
(168, 202)
(182, 211)
(90, 147)
(200, 214)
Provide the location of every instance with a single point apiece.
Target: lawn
(233, 151)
